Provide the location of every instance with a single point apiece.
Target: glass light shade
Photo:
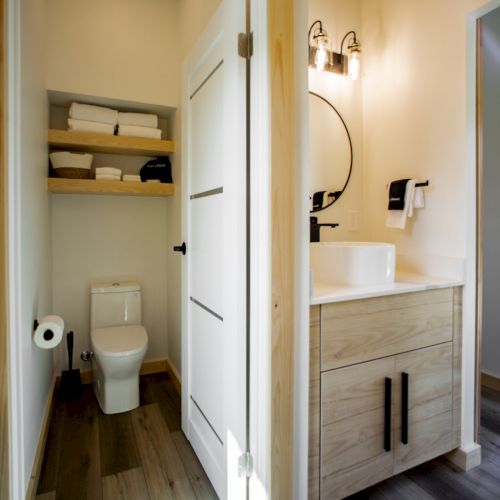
(321, 53)
(354, 64)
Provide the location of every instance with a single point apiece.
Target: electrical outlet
(353, 220)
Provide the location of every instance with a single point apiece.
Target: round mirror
(330, 153)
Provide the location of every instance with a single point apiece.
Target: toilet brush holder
(70, 387)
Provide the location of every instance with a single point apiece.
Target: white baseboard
(466, 458)
(40, 449)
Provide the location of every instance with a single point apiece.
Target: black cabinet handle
(404, 408)
(387, 414)
(181, 248)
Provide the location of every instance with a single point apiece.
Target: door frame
(472, 320)
(475, 32)
(4, 360)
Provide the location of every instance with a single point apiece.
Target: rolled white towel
(138, 119)
(131, 178)
(88, 126)
(107, 177)
(93, 113)
(108, 171)
(134, 131)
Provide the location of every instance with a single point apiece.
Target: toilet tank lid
(115, 286)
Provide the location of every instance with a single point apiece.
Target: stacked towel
(138, 131)
(87, 126)
(131, 178)
(89, 118)
(93, 113)
(138, 119)
(404, 196)
(108, 174)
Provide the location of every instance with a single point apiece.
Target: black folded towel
(318, 199)
(397, 191)
(157, 169)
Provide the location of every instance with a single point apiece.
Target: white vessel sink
(352, 263)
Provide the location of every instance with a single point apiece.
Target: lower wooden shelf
(92, 186)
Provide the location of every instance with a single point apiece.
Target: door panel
(430, 413)
(352, 428)
(207, 131)
(205, 251)
(207, 355)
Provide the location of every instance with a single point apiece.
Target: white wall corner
(466, 458)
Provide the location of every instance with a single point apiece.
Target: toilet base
(116, 395)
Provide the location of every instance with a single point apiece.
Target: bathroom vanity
(385, 381)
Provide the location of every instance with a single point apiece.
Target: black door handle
(181, 248)
(387, 414)
(404, 408)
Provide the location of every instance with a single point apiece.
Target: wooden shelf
(92, 186)
(104, 143)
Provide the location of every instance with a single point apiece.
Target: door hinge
(245, 45)
(245, 465)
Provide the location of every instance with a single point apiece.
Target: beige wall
(98, 238)
(123, 49)
(414, 105)
(339, 17)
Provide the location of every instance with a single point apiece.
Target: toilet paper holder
(48, 335)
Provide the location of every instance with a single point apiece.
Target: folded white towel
(108, 171)
(134, 131)
(138, 119)
(93, 113)
(107, 177)
(397, 218)
(132, 178)
(87, 126)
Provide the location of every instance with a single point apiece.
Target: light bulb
(321, 53)
(354, 64)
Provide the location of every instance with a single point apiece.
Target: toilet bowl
(119, 343)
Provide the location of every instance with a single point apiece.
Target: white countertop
(404, 283)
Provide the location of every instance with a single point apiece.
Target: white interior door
(214, 285)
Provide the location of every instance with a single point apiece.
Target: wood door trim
(281, 33)
(479, 229)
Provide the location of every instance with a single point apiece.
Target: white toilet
(119, 342)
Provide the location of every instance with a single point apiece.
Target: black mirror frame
(337, 193)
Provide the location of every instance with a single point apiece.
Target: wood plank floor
(440, 479)
(138, 455)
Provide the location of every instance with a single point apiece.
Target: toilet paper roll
(49, 332)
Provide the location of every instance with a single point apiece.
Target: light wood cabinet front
(352, 427)
(411, 342)
(430, 405)
(361, 330)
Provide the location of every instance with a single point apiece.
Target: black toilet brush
(71, 385)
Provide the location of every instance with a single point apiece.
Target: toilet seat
(116, 341)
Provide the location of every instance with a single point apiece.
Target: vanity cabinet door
(355, 410)
(426, 424)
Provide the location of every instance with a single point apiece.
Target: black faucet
(315, 229)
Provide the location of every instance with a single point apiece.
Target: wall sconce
(322, 59)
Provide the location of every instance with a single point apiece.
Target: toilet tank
(115, 304)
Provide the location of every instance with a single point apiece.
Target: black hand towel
(397, 191)
(318, 199)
